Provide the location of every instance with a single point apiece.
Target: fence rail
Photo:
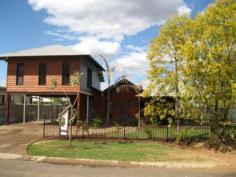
(146, 132)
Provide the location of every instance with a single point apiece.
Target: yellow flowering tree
(166, 63)
(195, 60)
(209, 73)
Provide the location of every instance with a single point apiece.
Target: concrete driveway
(15, 138)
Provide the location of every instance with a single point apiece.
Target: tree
(210, 69)
(166, 60)
(109, 71)
(74, 81)
(197, 60)
(160, 110)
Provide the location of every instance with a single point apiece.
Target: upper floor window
(65, 73)
(89, 78)
(20, 74)
(42, 73)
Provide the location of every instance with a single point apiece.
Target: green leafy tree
(196, 60)
(209, 72)
(160, 110)
(166, 61)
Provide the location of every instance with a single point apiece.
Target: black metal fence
(124, 131)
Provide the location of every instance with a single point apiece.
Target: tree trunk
(177, 113)
(108, 106)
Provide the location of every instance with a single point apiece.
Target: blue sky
(120, 30)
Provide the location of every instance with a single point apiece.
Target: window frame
(89, 77)
(20, 74)
(65, 73)
(42, 75)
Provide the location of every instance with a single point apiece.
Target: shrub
(148, 131)
(189, 135)
(97, 122)
(214, 142)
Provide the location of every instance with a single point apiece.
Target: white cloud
(60, 36)
(96, 47)
(135, 48)
(106, 20)
(184, 10)
(109, 18)
(99, 26)
(3, 83)
(132, 65)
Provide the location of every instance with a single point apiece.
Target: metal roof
(51, 50)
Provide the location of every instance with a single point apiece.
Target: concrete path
(16, 168)
(15, 138)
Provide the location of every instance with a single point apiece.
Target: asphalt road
(18, 168)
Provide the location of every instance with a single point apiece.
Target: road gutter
(109, 163)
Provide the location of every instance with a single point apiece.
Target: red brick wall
(54, 65)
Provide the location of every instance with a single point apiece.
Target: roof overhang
(47, 51)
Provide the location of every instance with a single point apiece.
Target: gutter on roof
(95, 62)
(5, 58)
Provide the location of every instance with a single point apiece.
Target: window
(20, 74)
(42, 73)
(65, 73)
(89, 78)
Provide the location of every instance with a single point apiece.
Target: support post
(24, 107)
(7, 101)
(38, 108)
(78, 107)
(87, 110)
(44, 125)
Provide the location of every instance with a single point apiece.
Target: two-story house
(30, 73)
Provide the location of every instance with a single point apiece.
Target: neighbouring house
(125, 102)
(30, 72)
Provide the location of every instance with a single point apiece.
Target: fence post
(44, 124)
(167, 135)
(124, 129)
(83, 130)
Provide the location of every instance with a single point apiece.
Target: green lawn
(106, 150)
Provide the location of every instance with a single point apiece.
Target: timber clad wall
(31, 71)
(125, 104)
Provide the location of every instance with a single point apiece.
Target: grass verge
(107, 150)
